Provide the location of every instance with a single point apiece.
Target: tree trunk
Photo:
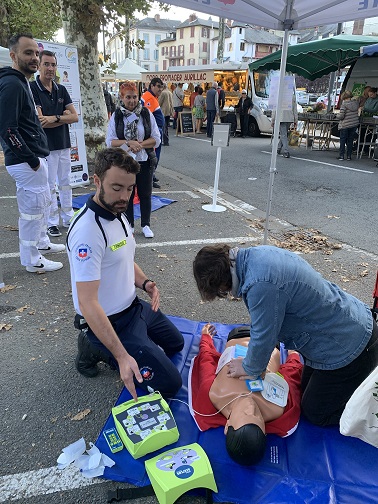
(82, 24)
(4, 26)
(220, 50)
(127, 36)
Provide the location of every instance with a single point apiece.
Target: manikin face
(25, 56)
(47, 68)
(130, 99)
(113, 193)
(244, 411)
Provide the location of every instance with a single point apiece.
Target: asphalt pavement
(41, 389)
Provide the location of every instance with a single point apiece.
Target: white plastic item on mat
(360, 416)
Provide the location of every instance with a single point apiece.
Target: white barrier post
(220, 138)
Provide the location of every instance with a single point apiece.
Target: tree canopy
(41, 18)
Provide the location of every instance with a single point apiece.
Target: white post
(221, 137)
(214, 207)
(2, 284)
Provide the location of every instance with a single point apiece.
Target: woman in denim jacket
(289, 302)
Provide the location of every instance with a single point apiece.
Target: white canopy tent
(5, 59)
(283, 15)
(128, 70)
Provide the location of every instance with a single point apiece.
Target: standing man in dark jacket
(150, 100)
(25, 149)
(244, 106)
(56, 111)
(212, 108)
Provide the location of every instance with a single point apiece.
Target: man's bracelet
(144, 284)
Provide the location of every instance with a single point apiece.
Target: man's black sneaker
(53, 231)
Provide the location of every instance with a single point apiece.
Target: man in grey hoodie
(25, 149)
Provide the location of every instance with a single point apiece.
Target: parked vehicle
(303, 98)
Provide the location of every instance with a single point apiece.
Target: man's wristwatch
(145, 283)
(57, 118)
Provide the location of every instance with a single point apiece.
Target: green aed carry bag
(145, 426)
(179, 470)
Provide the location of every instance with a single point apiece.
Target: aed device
(179, 470)
(146, 425)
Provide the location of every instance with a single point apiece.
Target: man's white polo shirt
(101, 246)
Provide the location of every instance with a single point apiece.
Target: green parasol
(317, 58)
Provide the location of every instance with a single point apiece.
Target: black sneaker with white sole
(53, 231)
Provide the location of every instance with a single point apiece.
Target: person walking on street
(200, 105)
(212, 108)
(116, 326)
(178, 102)
(288, 117)
(134, 129)
(56, 111)
(244, 106)
(348, 122)
(25, 149)
(166, 105)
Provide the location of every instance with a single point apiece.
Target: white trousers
(59, 167)
(33, 199)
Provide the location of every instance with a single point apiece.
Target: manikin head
(245, 432)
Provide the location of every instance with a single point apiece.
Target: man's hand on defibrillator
(154, 294)
(128, 368)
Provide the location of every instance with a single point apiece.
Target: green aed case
(179, 470)
(146, 425)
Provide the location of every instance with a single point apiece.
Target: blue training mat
(156, 203)
(314, 465)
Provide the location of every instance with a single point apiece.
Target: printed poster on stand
(68, 75)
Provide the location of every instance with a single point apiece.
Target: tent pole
(273, 159)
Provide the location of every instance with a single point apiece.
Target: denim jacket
(289, 301)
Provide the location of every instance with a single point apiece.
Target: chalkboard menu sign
(185, 123)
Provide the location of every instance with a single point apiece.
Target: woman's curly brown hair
(211, 269)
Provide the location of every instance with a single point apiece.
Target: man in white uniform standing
(117, 327)
(25, 150)
(56, 111)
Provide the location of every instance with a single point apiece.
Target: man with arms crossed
(25, 149)
(55, 111)
(122, 330)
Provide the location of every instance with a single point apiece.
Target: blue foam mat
(156, 203)
(314, 465)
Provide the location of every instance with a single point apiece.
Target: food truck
(232, 75)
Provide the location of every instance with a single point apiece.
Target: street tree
(82, 23)
(41, 18)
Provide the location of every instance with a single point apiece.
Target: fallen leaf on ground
(5, 327)
(22, 309)
(81, 414)
(7, 288)
(364, 273)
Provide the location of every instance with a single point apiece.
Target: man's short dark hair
(14, 40)
(45, 52)
(211, 269)
(246, 445)
(155, 81)
(114, 156)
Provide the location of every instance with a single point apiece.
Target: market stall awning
(5, 59)
(371, 50)
(127, 70)
(317, 58)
